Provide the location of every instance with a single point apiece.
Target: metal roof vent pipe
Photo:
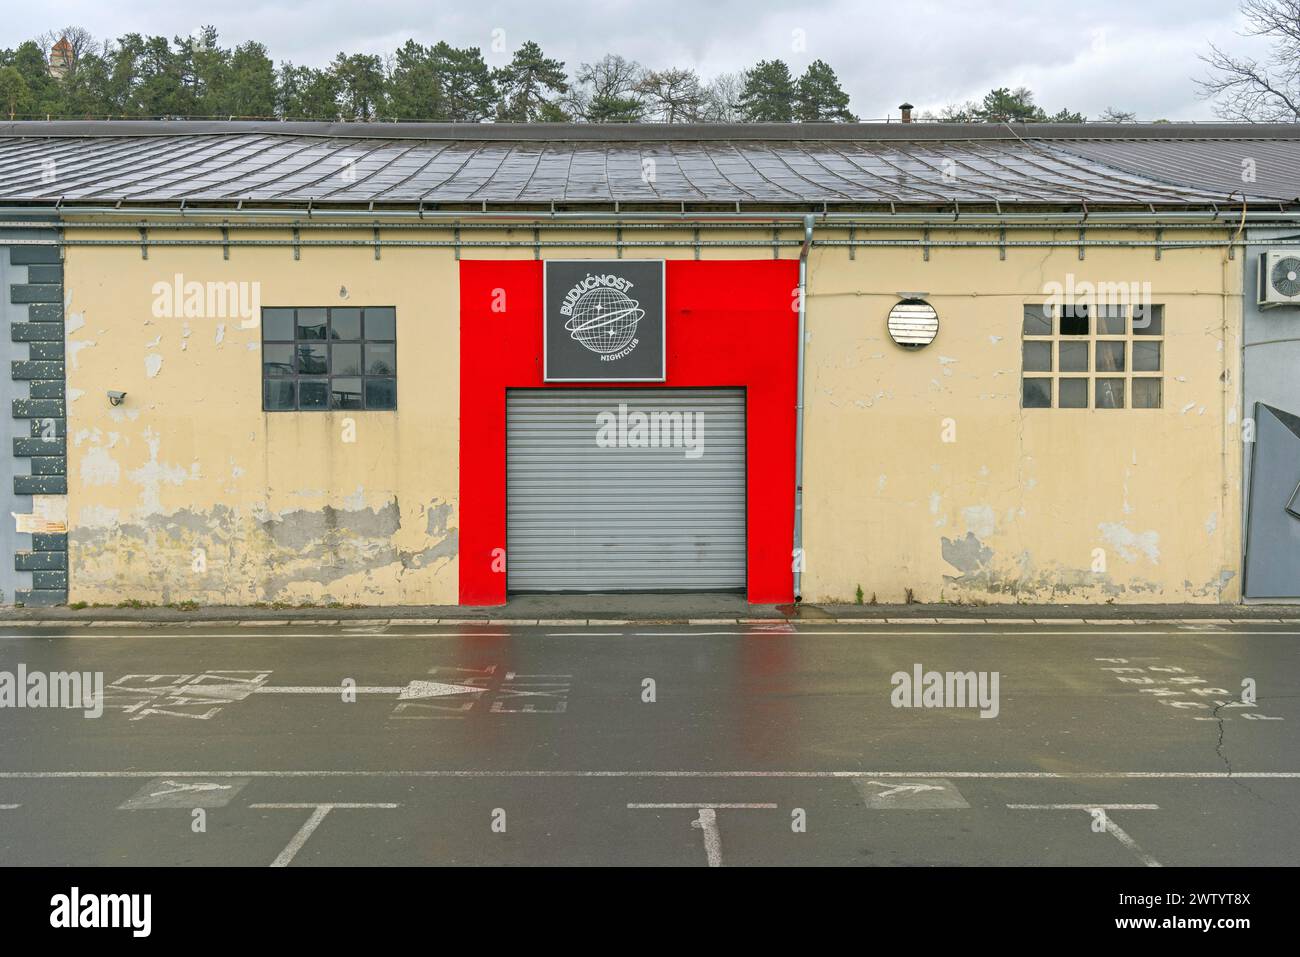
(907, 111)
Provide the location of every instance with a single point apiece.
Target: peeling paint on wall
(228, 555)
(1130, 544)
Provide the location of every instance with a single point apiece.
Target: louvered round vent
(913, 323)
(1286, 276)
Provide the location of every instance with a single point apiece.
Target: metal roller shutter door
(586, 518)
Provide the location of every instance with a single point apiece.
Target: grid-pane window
(320, 358)
(1092, 357)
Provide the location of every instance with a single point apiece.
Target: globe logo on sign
(604, 320)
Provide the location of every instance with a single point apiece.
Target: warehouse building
(411, 364)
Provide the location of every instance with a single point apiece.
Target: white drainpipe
(797, 555)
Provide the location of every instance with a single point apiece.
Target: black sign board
(603, 321)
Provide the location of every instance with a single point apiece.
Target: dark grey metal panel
(590, 517)
(1273, 534)
(1271, 167)
(270, 163)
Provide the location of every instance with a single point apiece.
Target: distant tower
(61, 58)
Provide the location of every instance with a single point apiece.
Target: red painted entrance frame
(729, 323)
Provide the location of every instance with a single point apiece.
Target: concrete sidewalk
(655, 608)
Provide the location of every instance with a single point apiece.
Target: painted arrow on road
(904, 788)
(415, 689)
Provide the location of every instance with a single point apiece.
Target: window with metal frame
(1092, 357)
(319, 358)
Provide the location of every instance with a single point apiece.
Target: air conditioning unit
(1279, 277)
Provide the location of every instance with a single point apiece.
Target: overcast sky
(1136, 55)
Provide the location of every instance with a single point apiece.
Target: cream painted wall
(1017, 506)
(281, 509)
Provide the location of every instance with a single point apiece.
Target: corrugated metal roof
(297, 163)
(1254, 167)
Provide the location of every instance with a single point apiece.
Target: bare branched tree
(607, 91)
(674, 95)
(81, 40)
(722, 98)
(1243, 88)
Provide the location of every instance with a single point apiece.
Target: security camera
(115, 398)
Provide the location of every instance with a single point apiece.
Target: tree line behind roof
(69, 74)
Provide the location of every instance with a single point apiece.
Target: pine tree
(466, 83)
(524, 82)
(251, 82)
(819, 97)
(361, 85)
(413, 90)
(768, 95)
(307, 94)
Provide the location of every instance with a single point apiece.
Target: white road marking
(1131, 844)
(584, 634)
(691, 807)
(167, 792)
(707, 822)
(9, 807)
(1084, 807)
(790, 775)
(416, 689)
(905, 788)
(319, 811)
(896, 795)
(176, 787)
(1112, 828)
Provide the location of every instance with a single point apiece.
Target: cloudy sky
(1136, 55)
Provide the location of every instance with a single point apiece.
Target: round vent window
(913, 323)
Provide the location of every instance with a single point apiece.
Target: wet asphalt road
(735, 744)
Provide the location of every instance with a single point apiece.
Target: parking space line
(1119, 834)
(707, 822)
(318, 814)
(1113, 829)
